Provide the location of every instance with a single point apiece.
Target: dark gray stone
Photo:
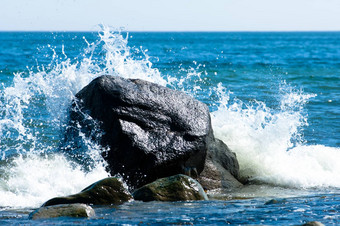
(151, 131)
(276, 201)
(104, 192)
(64, 210)
(175, 188)
(221, 170)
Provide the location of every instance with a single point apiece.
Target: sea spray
(269, 142)
(119, 59)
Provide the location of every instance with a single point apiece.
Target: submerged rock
(313, 223)
(221, 169)
(175, 188)
(151, 131)
(104, 192)
(276, 201)
(64, 210)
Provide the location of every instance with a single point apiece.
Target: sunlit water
(274, 99)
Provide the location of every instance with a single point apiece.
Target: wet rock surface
(175, 188)
(104, 192)
(63, 210)
(221, 169)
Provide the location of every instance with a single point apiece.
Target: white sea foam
(31, 180)
(269, 144)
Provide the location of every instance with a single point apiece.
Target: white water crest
(269, 144)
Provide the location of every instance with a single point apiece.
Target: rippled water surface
(254, 211)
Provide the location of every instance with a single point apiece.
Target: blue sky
(171, 15)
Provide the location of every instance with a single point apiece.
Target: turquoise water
(274, 99)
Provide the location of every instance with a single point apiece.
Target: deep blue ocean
(274, 99)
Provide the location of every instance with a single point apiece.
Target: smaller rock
(64, 210)
(221, 169)
(276, 201)
(175, 188)
(313, 223)
(104, 192)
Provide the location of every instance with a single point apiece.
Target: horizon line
(174, 31)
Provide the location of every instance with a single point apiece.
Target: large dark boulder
(150, 131)
(109, 191)
(175, 188)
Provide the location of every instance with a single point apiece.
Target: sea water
(274, 100)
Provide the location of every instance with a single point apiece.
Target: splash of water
(269, 143)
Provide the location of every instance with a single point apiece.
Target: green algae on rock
(104, 192)
(175, 188)
(63, 210)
